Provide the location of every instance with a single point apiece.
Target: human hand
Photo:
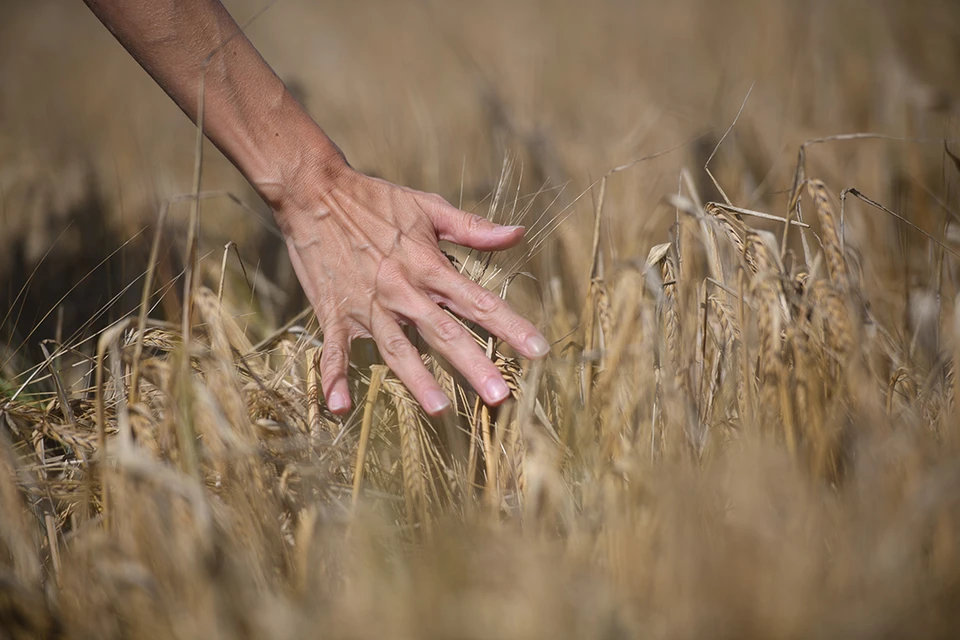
(366, 253)
(364, 250)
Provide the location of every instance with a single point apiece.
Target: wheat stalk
(414, 484)
(832, 247)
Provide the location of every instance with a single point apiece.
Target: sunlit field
(743, 245)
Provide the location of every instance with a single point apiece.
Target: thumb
(471, 230)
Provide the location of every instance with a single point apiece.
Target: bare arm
(365, 250)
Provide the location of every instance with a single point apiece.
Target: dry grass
(747, 427)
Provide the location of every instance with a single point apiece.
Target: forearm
(248, 113)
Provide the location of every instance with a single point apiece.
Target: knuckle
(474, 222)
(390, 272)
(396, 346)
(447, 329)
(392, 278)
(333, 355)
(486, 302)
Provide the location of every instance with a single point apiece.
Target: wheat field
(743, 244)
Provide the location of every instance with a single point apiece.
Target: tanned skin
(365, 251)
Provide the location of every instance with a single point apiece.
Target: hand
(366, 253)
(365, 250)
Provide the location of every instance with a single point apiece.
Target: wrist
(297, 165)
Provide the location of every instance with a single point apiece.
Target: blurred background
(438, 96)
(672, 506)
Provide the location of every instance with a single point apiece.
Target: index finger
(468, 299)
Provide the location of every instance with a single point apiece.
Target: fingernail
(496, 389)
(538, 346)
(506, 230)
(338, 401)
(436, 402)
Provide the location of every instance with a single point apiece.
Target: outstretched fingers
(453, 342)
(404, 360)
(478, 304)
